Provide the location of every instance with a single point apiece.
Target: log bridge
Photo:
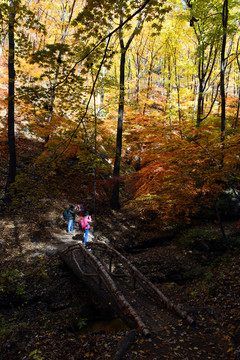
(116, 280)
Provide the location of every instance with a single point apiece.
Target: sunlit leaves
(180, 173)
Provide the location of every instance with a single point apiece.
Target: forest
(131, 108)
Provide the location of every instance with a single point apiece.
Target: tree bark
(2, 42)
(11, 103)
(222, 70)
(238, 107)
(178, 86)
(169, 94)
(200, 92)
(115, 203)
(221, 223)
(238, 88)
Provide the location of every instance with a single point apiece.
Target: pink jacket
(85, 222)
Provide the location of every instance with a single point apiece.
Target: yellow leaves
(33, 70)
(88, 355)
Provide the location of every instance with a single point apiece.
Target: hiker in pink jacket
(84, 222)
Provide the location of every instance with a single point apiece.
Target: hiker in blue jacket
(71, 217)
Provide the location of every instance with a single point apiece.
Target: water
(109, 326)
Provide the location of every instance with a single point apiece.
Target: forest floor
(47, 314)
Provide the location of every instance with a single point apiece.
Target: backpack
(65, 214)
(82, 223)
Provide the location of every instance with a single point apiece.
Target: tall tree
(222, 71)
(148, 12)
(11, 100)
(206, 25)
(116, 171)
(238, 86)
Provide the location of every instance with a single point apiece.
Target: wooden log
(142, 279)
(124, 307)
(125, 344)
(119, 275)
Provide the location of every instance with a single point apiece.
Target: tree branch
(103, 39)
(68, 141)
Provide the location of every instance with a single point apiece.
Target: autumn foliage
(175, 156)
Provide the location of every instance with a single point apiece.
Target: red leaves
(182, 171)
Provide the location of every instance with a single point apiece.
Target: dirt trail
(172, 337)
(48, 324)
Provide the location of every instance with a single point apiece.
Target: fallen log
(125, 344)
(143, 281)
(126, 311)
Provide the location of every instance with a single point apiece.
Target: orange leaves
(232, 102)
(182, 171)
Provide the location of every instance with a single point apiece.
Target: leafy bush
(11, 331)
(228, 207)
(12, 283)
(234, 242)
(201, 239)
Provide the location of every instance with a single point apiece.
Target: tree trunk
(115, 204)
(138, 74)
(200, 93)
(178, 86)
(101, 97)
(2, 42)
(238, 87)
(169, 95)
(149, 81)
(129, 78)
(116, 172)
(221, 224)
(11, 103)
(238, 107)
(222, 71)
